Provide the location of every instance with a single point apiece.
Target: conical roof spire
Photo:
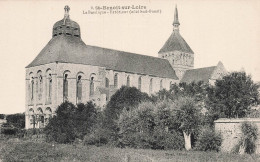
(176, 19)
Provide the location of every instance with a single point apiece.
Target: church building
(67, 69)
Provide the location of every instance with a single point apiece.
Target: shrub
(208, 140)
(168, 140)
(247, 142)
(136, 126)
(9, 130)
(16, 120)
(98, 137)
(2, 116)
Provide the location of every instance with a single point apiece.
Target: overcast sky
(216, 30)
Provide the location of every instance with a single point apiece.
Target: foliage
(149, 126)
(168, 140)
(2, 116)
(187, 114)
(247, 142)
(125, 97)
(233, 95)
(16, 120)
(98, 135)
(136, 126)
(197, 90)
(71, 122)
(208, 140)
(85, 118)
(9, 130)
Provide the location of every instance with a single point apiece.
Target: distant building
(68, 69)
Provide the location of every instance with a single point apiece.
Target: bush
(2, 116)
(9, 131)
(247, 142)
(168, 140)
(98, 137)
(136, 126)
(16, 120)
(208, 140)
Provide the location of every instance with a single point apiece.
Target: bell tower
(176, 50)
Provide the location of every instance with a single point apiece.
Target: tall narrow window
(32, 88)
(140, 83)
(128, 81)
(50, 87)
(161, 84)
(151, 86)
(107, 83)
(65, 87)
(79, 89)
(91, 86)
(40, 88)
(116, 80)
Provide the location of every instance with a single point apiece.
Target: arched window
(140, 83)
(79, 89)
(32, 118)
(91, 86)
(40, 117)
(40, 87)
(116, 81)
(128, 81)
(161, 84)
(48, 115)
(65, 87)
(107, 83)
(32, 88)
(151, 86)
(48, 86)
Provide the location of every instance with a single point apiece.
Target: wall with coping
(230, 130)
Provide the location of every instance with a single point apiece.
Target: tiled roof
(196, 75)
(67, 49)
(176, 43)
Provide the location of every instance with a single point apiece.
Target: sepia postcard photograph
(130, 81)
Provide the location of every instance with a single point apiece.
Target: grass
(12, 150)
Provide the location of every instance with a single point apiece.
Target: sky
(216, 30)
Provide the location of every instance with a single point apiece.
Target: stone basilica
(69, 70)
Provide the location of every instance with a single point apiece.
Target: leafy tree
(16, 120)
(61, 128)
(208, 140)
(125, 97)
(188, 115)
(85, 118)
(137, 125)
(198, 90)
(2, 116)
(233, 95)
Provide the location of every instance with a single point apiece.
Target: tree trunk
(187, 140)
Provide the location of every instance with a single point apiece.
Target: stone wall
(231, 132)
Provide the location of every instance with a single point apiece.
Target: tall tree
(233, 95)
(188, 115)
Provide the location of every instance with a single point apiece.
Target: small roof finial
(66, 14)
(67, 10)
(176, 18)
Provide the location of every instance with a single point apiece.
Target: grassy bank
(17, 150)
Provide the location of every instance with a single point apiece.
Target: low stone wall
(230, 130)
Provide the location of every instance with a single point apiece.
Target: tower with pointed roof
(177, 51)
